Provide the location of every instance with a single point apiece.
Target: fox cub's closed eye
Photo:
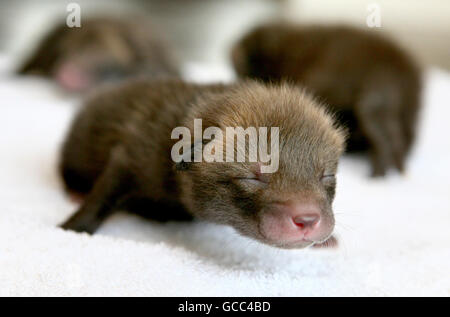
(328, 179)
(250, 181)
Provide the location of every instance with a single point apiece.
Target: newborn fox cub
(372, 85)
(118, 152)
(102, 51)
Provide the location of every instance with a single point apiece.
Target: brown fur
(118, 151)
(105, 49)
(372, 85)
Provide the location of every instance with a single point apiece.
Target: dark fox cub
(118, 153)
(102, 50)
(370, 83)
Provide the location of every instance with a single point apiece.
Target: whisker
(348, 213)
(351, 230)
(344, 226)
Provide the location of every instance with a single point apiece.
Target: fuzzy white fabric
(394, 232)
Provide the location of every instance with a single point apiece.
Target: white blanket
(394, 232)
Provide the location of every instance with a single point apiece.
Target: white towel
(394, 232)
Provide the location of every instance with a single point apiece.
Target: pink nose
(71, 78)
(297, 222)
(307, 220)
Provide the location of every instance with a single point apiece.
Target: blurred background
(393, 232)
(203, 30)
